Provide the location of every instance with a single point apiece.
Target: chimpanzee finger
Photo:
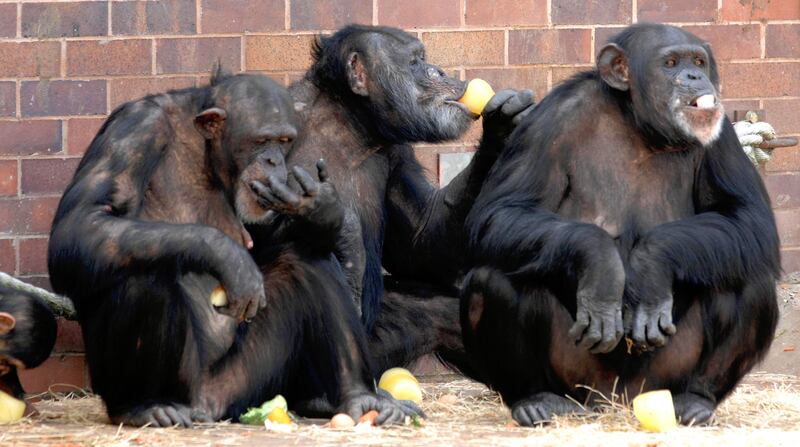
(592, 336)
(309, 185)
(517, 103)
(581, 323)
(177, 417)
(282, 192)
(521, 115)
(161, 417)
(251, 309)
(638, 332)
(322, 170)
(498, 100)
(265, 196)
(654, 335)
(666, 325)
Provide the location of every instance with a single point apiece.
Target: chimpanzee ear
(357, 75)
(7, 323)
(612, 63)
(210, 122)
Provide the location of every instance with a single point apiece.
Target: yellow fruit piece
(655, 410)
(11, 408)
(401, 384)
(218, 297)
(279, 416)
(342, 420)
(477, 95)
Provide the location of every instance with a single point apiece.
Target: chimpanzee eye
(284, 139)
(260, 141)
(699, 62)
(671, 62)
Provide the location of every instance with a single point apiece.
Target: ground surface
(764, 411)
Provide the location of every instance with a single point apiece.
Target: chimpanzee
(623, 204)
(27, 335)
(368, 94)
(151, 224)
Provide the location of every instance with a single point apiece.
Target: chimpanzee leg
(146, 341)
(726, 334)
(510, 337)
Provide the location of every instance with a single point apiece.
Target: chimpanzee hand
(504, 111)
(242, 280)
(318, 202)
(598, 320)
(390, 410)
(649, 322)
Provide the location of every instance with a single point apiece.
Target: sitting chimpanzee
(27, 335)
(151, 225)
(368, 94)
(623, 205)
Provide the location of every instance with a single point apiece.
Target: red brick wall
(65, 65)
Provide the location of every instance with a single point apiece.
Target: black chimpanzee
(368, 94)
(27, 335)
(623, 205)
(152, 223)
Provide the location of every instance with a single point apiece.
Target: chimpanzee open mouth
(703, 102)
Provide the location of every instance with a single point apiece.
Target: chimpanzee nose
(272, 161)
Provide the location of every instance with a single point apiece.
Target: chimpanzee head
(27, 330)
(250, 121)
(672, 80)
(381, 74)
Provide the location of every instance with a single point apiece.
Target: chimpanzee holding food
(369, 93)
(151, 227)
(623, 204)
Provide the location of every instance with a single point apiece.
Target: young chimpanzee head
(381, 74)
(250, 122)
(27, 330)
(672, 80)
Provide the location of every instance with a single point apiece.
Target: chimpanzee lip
(460, 105)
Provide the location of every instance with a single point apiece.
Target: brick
(71, 19)
(29, 59)
(124, 90)
(730, 41)
(278, 52)
(465, 48)
(450, 165)
(197, 54)
(784, 159)
(33, 256)
(783, 41)
(30, 137)
(59, 373)
(790, 260)
(225, 16)
(759, 80)
(153, 17)
(329, 14)
(560, 46)
(47, 175)
(517, 78)
(561, 74)
(58, 98)
(27, 216)
(677, 10)
(732, 105)
(429, 159)
(506, 12)
(592, 12)
(8, 256)
(8, 20)
(419, 13)
(784, 115)
(8, 98)
(788, 226)
(784, 190)
(755, 10)
(109, 57)
(69, 337)
(81, 132)
(603, 35)
(8, 177)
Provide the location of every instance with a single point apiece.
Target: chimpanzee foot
(390, 410)
(540, 409)
(691, 409)
(159, 415)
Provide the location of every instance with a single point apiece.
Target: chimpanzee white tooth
(706, 101)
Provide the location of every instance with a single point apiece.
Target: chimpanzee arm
(424, 234)
(97, 239)
(730, 241)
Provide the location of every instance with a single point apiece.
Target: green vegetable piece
(257, 415)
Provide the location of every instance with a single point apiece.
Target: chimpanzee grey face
(411, 99)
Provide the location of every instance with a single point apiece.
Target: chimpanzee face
(673, 82)
(411, 99)
(258, 129)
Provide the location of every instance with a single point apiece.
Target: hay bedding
(765, 410)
